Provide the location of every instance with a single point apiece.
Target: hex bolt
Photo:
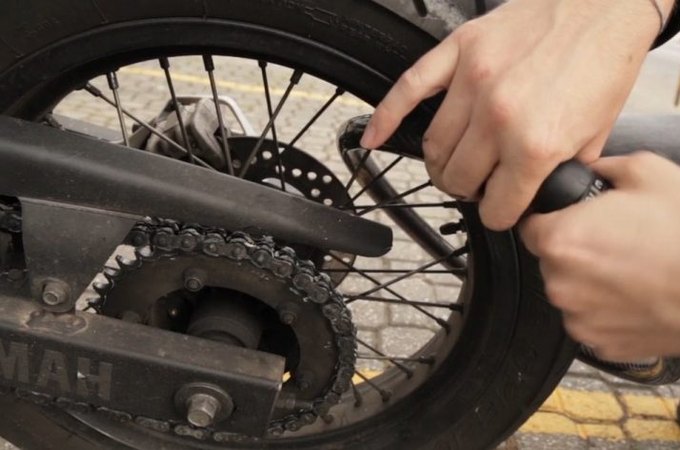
(54, 293)
(288, 317)
(288, 314)
(202, 410)
(194, 279)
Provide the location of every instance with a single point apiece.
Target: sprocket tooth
(144, 253)
(127, 264)
(111, 273)
(101, 287)
(96, 304)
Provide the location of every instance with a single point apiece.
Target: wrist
(636, 22)
(664, 9)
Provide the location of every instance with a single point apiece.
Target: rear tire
(513, 350)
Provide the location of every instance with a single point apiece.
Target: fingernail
(369, 136)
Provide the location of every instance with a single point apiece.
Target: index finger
(431, 74)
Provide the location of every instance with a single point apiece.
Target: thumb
(537, 231)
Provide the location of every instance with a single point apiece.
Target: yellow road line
(602, 415)
(240, 87)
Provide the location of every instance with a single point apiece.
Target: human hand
(531, 84)
(612, 264)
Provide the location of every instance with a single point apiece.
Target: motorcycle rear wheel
(512, 351)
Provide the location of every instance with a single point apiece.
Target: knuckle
(432, 154)
(452, 186)
(412, 80)
(548, 244)
(467, 33)
(501, 109)
(538, 150)
(479, 70)
(497, 220)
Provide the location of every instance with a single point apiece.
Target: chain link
(154, 240)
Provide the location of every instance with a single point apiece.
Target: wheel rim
(28, 107)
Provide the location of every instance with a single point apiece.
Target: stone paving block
(551, 441)
(367, 315)
(607, 444)
(584, 383)
(368, 366)
(403, 341)
(647, 406)
(644, 429)
(552, 423)
(653, 445)
(553, 404)
(591, 405)
(604, 432)
(581, 368)
(672, 405)
(400, 315)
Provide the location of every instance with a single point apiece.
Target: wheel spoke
(355, 172)
(401, 298)
(165, 65)
(384, 394)
(270, 111)
(451, 204)
(461, 251)
(373, 181)
(112, 79)
(386, 271)
(395, 359)
(382, 356)
(99, 94)
(294, 80)
(369, 298)
(315, 117)
(209, 66)
(395, 198)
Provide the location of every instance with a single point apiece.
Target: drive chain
(154, 240)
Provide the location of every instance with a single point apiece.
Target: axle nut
(204, 404)
(54, 293)
(194, 280)
(202, 410)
